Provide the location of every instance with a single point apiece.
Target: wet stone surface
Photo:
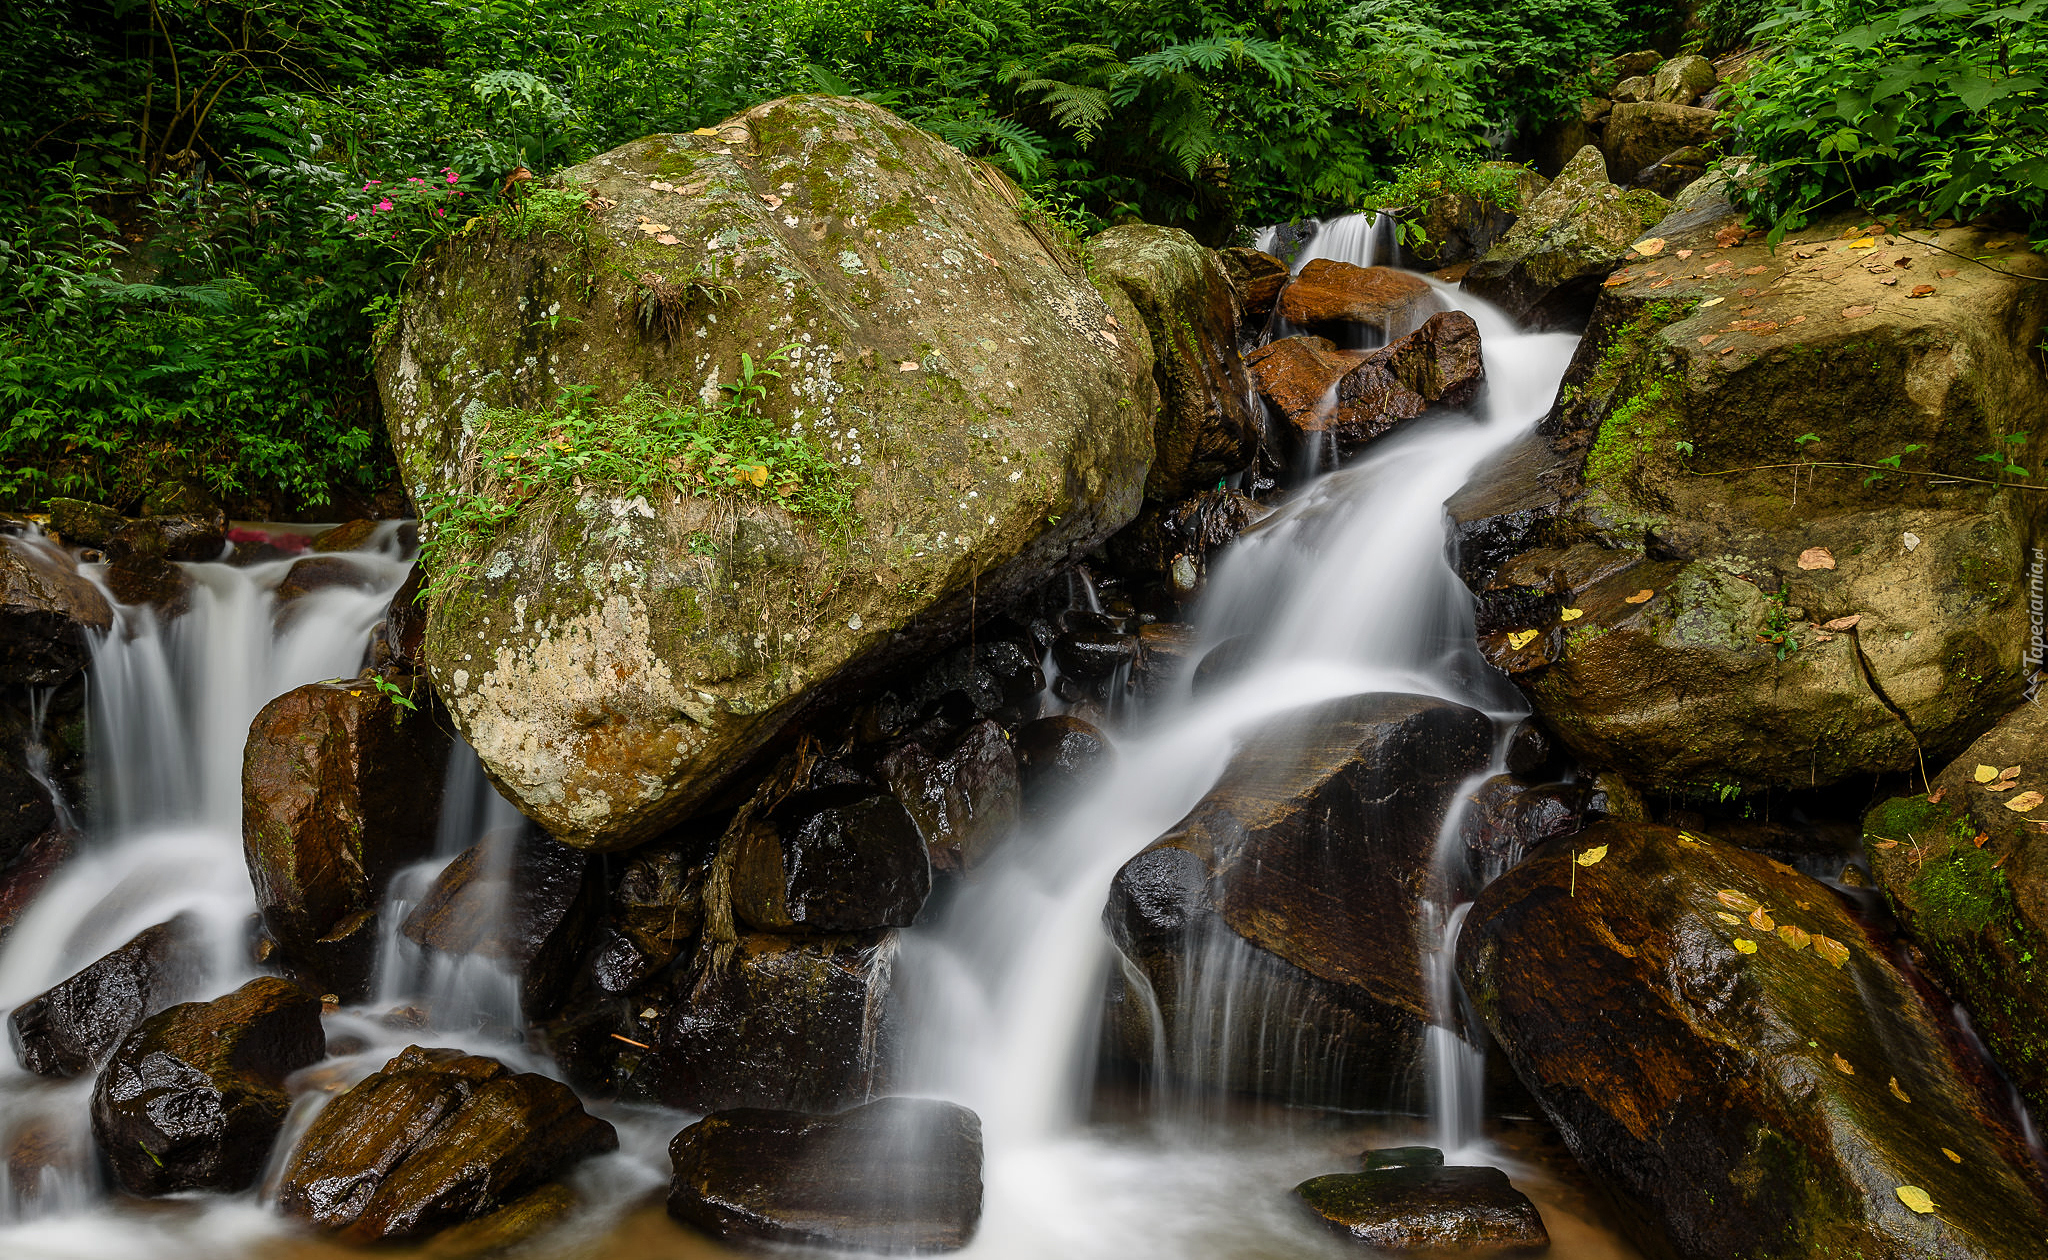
(1471, 1211)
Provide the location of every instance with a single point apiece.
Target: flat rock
(898, 1174)
(1339, 299)
(1466, 1211)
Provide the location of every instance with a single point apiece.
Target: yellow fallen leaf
(1744, 945)
(1831, 949)
(1640, 597)
(1519, 639)
(1727, 918)
(1691, 841)
(1592, 856)
(1953, 1158)
(1649, 245)
(1986, 774)
(1760, 919)
(705, 131)
(1711, 302)
(1866, 242)
(1740, 902)
(2025, 801)
(1796, 937)
(1816, 558)
(1571, 614)
(1843, 1066)
(1916, 1198)
(1899, 1093)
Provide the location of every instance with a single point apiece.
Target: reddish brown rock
(436, 1138)
(194, 1097)
(1738, 1060)
(347, 536)
(340, 788)
(1348, 398)
(1299, 375)
(1336, 298)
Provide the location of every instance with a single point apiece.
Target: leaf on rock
(1640, 597)
(1713, 301)
(1887, 844)
(1916, 1198)
(1727, 918)
(1934, 797)
(2003, 785)
(1816, 558)
(1831, 949)
(1592, 856)
(1921, 291)
(1796, 937)
(1708, 339)
(1953, 1158)
(1857, 312)
(1843, 623)
(1760, 919)
(1898, 1092)
(1980, 838)
(1736, 900)
(1985, 774)
(1649, 246)
(1571, 614)
(2024, 802)
(1909, 540)
(1744, 945)
(1519, 639)
(1866, 242)
(665, 238)
(1843, 1066)
(2010, 772)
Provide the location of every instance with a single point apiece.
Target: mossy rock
(1726, 1049)
(1671, 465)
(1968, 876)
(615, 659)
(1547, 270)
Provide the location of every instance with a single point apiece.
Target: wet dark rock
(29, 869)
(842, 868)
(1506, 508)
(996, 678)
(1755, 1087)
(1197, 528)
(1337, 300)
(1225, 663)
(1640, 133)
(150, 582)
(1670, 174)
(320, 573)
(1166, 654)
(651, 916)
(898, 1174)
(965, 802)
(520, 899)
(1057, 757)
(782, 1022)
(1470, 1211)
(190, 538)
(83, 524)
(1978, 908)
(47, 611)
(1530, 751)
(347, 536)
(434, 1139)
(1094, 655)
(340, 789)
(44, 1158)
(1400, 1157)
(193, 1098)
(1506, 818)
(42, 762)
(1207, 427)
(1257, 277)
(75, 1024)
(1303, 870)
(404, 635)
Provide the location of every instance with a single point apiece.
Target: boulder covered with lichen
(958, 410)
(1775, 534)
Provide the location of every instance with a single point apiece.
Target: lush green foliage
(209, 204)
(1939, 108)
(643, 443)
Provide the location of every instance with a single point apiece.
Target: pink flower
(351, 218)
(440, 213)
(449, 173)
(383, 205)
(415, 180)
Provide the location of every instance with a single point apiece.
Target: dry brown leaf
(1947, 273)
(1737, 900)
(1754, 271)
(1921, 291)
(1898, 1092)
(1728, 237)
(1796, 937)
(1685, 253)
(2010, 772)
(1816, 558)
(1708, 339)
(1760, 919)
(2024, 802)
(1934, 797)
(1980, 838)
(1887, 844)
(1856, 312)
(1843, 1066)
(666, 239)
(1648, 245)
(1616, 280)
(1843, 623)
(1831, 949)
(2003, 785)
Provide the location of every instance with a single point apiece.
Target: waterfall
(1363, 240)
(1346, 589)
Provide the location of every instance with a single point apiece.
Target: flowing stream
(1346, 589)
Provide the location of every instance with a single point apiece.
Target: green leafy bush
(1938, 108)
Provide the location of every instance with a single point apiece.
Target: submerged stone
(1418, 1207)
(1401, 1157)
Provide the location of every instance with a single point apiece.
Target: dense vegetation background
(205, 205)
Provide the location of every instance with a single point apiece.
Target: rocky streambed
(978, 856)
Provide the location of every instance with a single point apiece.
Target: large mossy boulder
(1761, 492)
(1734, 1057)
(1280, 924)
(1548, 269)
(615, 658)
(341, 787)
(1965, 868)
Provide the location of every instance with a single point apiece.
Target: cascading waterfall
(1364, 240)
(1346, 590)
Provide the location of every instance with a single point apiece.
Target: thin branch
(1879, 468)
